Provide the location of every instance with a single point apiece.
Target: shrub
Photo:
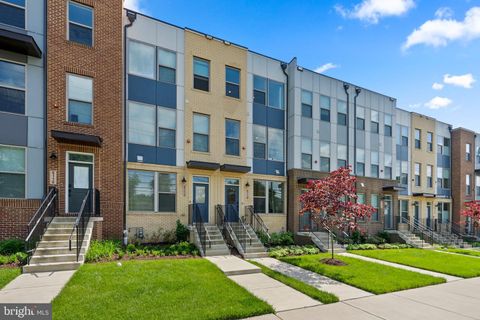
(19, 258)
(181, 232)
(358, 237)
(384, 235)
(278, 252)
(281, 239)
(11, 246)
(375, 240)
(371, 246)
(102, 250)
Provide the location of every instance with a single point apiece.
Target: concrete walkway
(41, 287)
(280, 296)
(456, 300)
(401, 266)
(341, 290)
(458, 254)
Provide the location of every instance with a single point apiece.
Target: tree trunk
(331, 236)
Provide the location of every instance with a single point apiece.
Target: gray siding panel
(259, 114)
(325, 131)
(275, 118)
(141, 90)
(166, 95)
(13, 129)
(342, 134)
(374, 142)
(35, 173)
(307, 127)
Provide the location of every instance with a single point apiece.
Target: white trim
(67, 162)
(79, 24)
(25, 149)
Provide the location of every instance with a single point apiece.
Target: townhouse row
(151, 119)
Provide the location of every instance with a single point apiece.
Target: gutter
(284, 66)
(45, 107)
(132, 16)
(346, 86)
(357, 92)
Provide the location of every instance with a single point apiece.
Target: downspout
(357, 92)
(45, 108)
(346, 87)
(132, 16)
(284, 69)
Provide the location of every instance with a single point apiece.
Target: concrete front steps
(216, 246)
(413, 240)
(246, 236)
(322, 241)
(53, 254)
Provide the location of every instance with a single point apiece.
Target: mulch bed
(127, 258)
(333, 262)
(10, 266)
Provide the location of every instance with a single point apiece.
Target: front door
(429, 215)
(388, 212)
(80, 181)
(200, 197)
(232, 200)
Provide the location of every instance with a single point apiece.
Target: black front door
(80, 181)
(388, 214)
(231, 203)
(200, 199)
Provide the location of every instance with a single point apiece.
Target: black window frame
(232, 139)
(196, 134)
(359, 121)
(199, 79)
(230, 85)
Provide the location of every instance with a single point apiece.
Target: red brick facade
(14, 217)
(103, 63)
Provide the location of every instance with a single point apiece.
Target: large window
(325, 108)
(429, 176)
(259, 142)
(374, 203)
(146, 195)
(402, 137)
(374, 123)
(275, 94)
(388, 125)
(141, 124)
(80, 99)
(268, 92)
(12, 172)
(443, 177)
(201, 132)
(268, 143)
(201, 74)
(12, 12)
(260, 90)
(232, 137)
(307, 103)
(418, 139)
(167, 66)
(167, 125)
(232, 82)
(268, 196)
(306, 153)
(418, 170)
(141, 59)
(341, 112)
(402, 172)
(12, 87)
(167, 192)
(80, 23)
(477, 186)
(430, 141)
(275, 144)
(403, 204)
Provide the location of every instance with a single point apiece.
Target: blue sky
(400, 48)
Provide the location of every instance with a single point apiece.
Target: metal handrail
(199, 224)
(258, 221)
(80, 232)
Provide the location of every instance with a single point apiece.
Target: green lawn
(368, 276)
(155, 289)
(314, 293)
(475, 253)
(7, 275)
(452, 264)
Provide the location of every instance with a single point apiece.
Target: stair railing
(80, 226)
(415, 227)
(224, 225)
(199, 224)
(39, 222)
(256, 221)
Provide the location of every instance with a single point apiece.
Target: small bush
(18, 258)
(384, 235)
(278, 252)
(102, 250)
(383, 246)
(358, 237)
(375, 240)
(181, 231)
(11, 246)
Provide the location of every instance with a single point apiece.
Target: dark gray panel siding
(13, 129)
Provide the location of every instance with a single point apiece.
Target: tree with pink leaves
(332, 203)
(472, 210)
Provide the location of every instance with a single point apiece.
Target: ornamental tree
(332, 203)
(472, 210)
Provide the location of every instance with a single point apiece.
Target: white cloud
(465, 81)
(372, 11)
(444, 13)
(135, 5)
(439, 32)
(438, 103)
(437, 86)
(326, 67)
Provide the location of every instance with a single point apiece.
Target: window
(140, 190)
(80, 23)
(167, 192)
(167, 65)
(324, 164)
(387, 174)
(477, 185)
(325, 108)
(468, 184)
(232, 82)
(201, 74)
(418, 168)
(12, 87)
(324, 156)
(260, 90)
(275, 94)
(341, 155)
(307, 103)
(12, 12)
(268, 196)
(418, 141)
(361, 198)
(374, 203)
(201, 131)
(402, 137)
(12, 172)
(306, 153)
(429, 176)
(477, 154)
(341, 112)
(468, 152)
(341, 163)
(429, 141)
(232, 137)
(402, 172)
(141, 124)
(360, 121)
(141, 59)
(167, 124)
(360, 169)
(360, 165)
(404, 209)
(80, 98)
(446, 178)
(374, 166)
(275, 144)
(374, 122)
(388, 125)
(259, 142)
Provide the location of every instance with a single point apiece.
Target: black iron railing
(233, 228)
(256, 222)
(196, 220)
(41, 219)
(425, 234)
(81, 223)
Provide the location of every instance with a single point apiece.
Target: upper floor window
(388, 161)
(429, 176)
(275, 94)
(374, 166)
(275, 144)
(477, 154)
(374, 121)
(325, 108)
(259, 142)
(80, 23)
(12, 87)
(418, 168)
(477, 185)
(341, 112)
(418, 139)
(402, 137)
(268, 143)
(402, 172)
(388, 125)
(12, 172)
(374, 203)
(443, 145)
(80, 99)
(201, 132)
(167, 65)
(468, 152)
(12, 12)
(306, 153)
(341, 155)
(232, 82)
(360, 164)
(325, 156)
(443, 178)
(360, 121)
(232, 137)
(167, 125)
(201, 74)
(429, 141)
(141, 124)
(468, 184)
(268, 92)
(307, 103)
(141, 59)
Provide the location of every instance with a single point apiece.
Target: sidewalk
(41, 287)
(401, 266)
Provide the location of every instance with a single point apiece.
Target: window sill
(78, 124)
(201, 91)
(233, 98)
(152, 213)
(74, 43)
(208, 153)
(272, 214)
